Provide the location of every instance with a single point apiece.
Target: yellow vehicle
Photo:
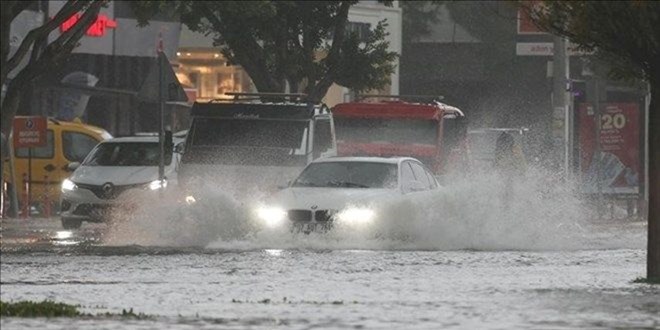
(67, 142)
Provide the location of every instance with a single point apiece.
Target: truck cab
(247, 144)
(432, 132)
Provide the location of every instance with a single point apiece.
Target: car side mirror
(72, 166)
(284, 186)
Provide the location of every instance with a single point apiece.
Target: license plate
(308, 227)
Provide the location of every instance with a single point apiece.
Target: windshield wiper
(346, 184)
(305, 184)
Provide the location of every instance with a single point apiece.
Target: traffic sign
(29, 131)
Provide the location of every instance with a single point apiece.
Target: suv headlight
(68, 185)
(158, 184)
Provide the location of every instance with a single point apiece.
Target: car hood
(118, 175)
(328, 198)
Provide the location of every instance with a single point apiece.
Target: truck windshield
(249, 133)
(348, 175)
(249, 141)
(397, 131)
(126, 154)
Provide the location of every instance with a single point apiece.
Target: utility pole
(561, 115)
(161, 115)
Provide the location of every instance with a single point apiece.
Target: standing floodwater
(464, 262)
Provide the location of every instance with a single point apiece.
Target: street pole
(598, 153)
(561, 129)
(161, 120)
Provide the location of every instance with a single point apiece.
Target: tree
(303, 44)
(43, 54)
(625, 34)
(418, 18)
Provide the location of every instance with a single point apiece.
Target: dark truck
(247, 145)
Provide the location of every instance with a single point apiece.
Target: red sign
(97, 29)
(618, 167)
(29, 132)
(525, 23)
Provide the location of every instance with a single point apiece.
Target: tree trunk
(653, 258)
(10, 104)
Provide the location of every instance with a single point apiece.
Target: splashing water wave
(544, 214)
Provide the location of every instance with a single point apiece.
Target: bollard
(26, 197)
(46, 200)
(3, 207)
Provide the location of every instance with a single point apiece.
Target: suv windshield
(399, 131)
(348, 175)
(126, 154)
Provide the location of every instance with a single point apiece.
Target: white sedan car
(114, 173)
(352, 192)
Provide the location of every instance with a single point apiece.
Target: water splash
(470, 213)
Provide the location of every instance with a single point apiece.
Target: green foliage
(418, 16)
(302, 43)
(48, 308)
(45, 308)
(624, 33)
(366, 65)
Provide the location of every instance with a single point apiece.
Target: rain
(329, 164)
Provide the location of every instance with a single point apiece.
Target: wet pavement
(246, 285)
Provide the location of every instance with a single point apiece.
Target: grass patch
(49, 308)
(45, 308)
(645, 280)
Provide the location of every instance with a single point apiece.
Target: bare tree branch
(333, 55)
(69, 9)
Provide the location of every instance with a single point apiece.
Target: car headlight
(68, 185)
(190, 200)
(158, 184)
(356, 215)
(271, 216)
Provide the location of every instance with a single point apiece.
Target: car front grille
(306, 215)
(91, 210)
(323, 215)
(113, 193)
(300, 215)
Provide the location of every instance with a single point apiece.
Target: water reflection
(64, 237)
(274, 252)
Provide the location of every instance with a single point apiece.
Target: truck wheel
(68, 223)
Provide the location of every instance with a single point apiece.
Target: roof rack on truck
(264, 97)
(427, 98)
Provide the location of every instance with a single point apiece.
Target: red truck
(433, 132)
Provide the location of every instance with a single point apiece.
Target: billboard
(617, 168)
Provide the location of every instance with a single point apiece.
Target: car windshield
(348, 175)
(398, 131)
(126, 154)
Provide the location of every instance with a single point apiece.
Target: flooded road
(246, 285)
